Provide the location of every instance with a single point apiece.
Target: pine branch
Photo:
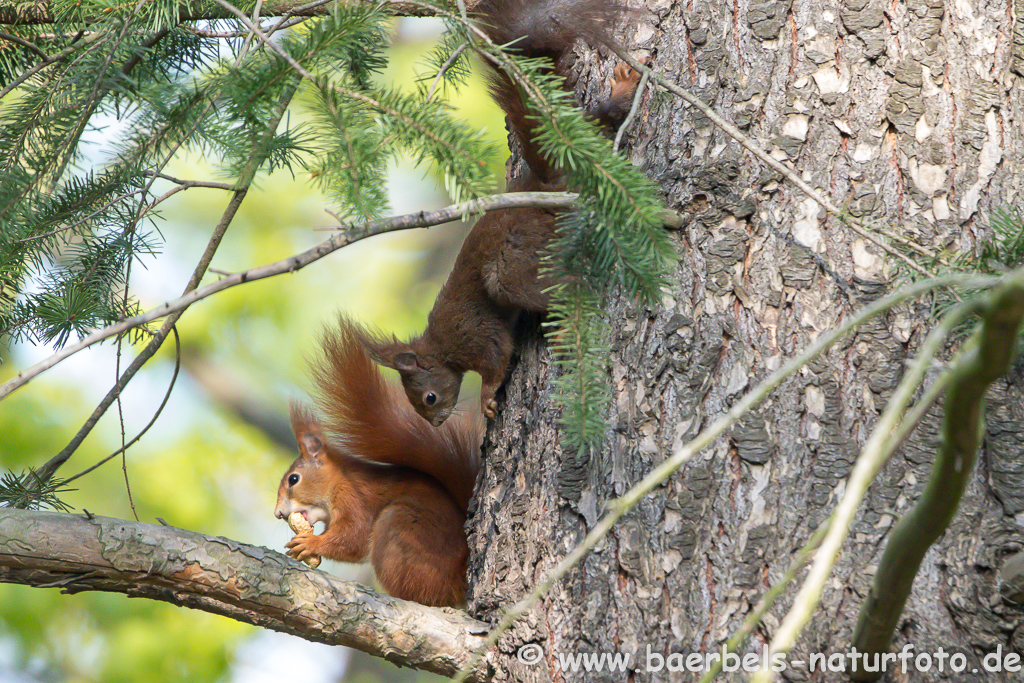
(32, 491)
(21, 13)
(246, 177)
(411, 122)
(963, 426)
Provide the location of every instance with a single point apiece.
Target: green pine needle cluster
(30, 491)
(999, 251)
(73, 222)
(1005, 250)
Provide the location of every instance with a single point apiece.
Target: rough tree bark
(909, 114)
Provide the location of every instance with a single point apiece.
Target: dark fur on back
(495, 276)
(547, 29)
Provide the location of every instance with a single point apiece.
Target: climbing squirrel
(386, 485)
(495, 276)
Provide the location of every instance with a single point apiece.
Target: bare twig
(638, 96)
(152, 421)
(193, 183)
(735, 133)
(421, 219)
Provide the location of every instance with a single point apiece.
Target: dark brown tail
(369, 417)
(541, 28)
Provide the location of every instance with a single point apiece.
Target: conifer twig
(879, 446)
(246, 177)
(986, 359)
(29, 73)
(366, 99)
(444, 68)
(25, 43)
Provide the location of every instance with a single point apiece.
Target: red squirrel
(386, 485)
(495, 275)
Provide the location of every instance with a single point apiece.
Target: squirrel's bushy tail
(547, 28)
(541, 28)
(368, 417)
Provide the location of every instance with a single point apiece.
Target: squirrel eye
(430, 398)
(293, 479)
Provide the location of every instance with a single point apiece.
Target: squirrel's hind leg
(419, 552)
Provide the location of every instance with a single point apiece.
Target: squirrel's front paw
(624, 80)
(304, 548)
(489, 408)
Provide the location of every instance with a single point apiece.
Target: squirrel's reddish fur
(387, 486)
(495, 275)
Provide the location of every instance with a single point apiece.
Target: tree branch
(420, 219)
(963, 427)
(242, 582)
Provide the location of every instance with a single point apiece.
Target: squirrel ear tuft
(308, 432)
(406, 362)
(382, 349)
(310, 444)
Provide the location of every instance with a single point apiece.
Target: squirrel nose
(279, 513)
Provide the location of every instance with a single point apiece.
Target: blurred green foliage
(201, 467)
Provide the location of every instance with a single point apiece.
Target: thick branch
(243, 582)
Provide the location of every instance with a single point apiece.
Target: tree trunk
(910, 116)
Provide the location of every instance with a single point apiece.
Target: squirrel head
(433, 389)
(307, 485)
